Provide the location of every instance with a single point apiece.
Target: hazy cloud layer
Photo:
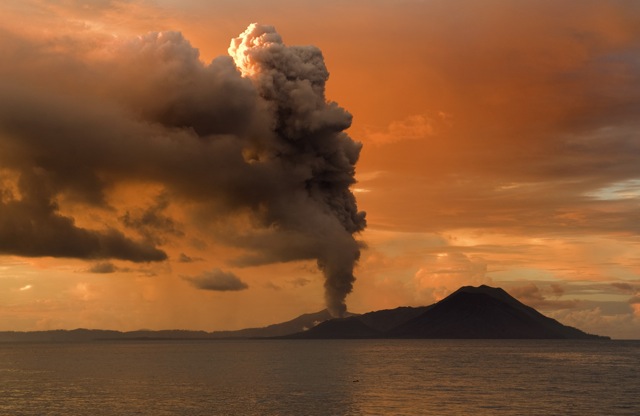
(542, 127)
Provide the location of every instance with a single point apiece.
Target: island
(481, 312)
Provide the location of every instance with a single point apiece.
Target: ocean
(321, 377)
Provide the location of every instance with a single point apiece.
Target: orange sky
(500, 146)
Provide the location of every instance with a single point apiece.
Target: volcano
(469, 313)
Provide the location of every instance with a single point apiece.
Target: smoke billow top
(307, 138)
(248, 134)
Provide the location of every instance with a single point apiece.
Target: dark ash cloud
(32, 227)
(217, 280)
(248, 134)
(320, 215)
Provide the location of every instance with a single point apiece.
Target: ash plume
(250, 135)
(307, 137)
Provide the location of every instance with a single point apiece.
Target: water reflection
(357, 377)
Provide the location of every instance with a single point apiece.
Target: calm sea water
(337, 377)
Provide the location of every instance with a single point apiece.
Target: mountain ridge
(481, 312)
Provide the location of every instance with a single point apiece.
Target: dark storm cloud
(32, 227)
(251, 134)
(33, 230)
(217, 280)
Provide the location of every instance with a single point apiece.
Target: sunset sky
(500, 146)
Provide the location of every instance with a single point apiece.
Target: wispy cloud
(217, 280)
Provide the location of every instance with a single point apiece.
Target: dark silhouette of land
(468, 313)
(301, 323)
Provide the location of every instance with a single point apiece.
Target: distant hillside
(301, 323)
(370, 325)
(86, 335)
(469, 313)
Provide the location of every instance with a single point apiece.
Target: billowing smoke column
(308, 136)
(246, 147)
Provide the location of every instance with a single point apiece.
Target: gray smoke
(308, 137)
(251, 134)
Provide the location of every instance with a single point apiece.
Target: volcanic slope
(469, 313)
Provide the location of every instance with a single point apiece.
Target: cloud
(299, 282)
(151, 222)
(248, 137)
(595, 320)
(532, 295)
(183, 258)
(85, 292)
(272, 286)
(634, 300)
(626, 287)
(31, 227)
(543, 127)
(217, 280)
(103, 268)
(443, 273)
(414, 127)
